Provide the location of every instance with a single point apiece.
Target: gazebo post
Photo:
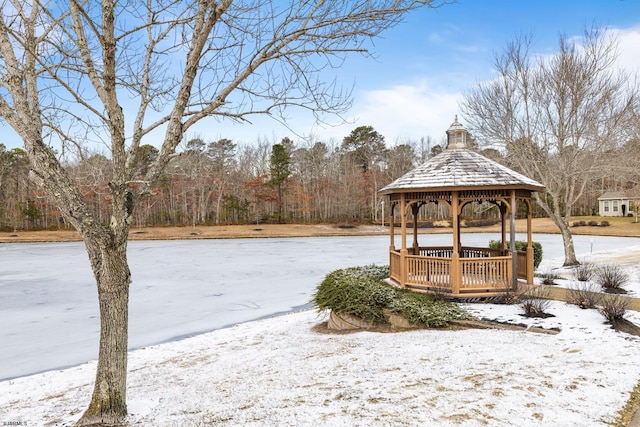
(415, 208)
(529, 244)
(403, 250)
(512, 245)
(455, 273)
(503, 220)
(392, 234)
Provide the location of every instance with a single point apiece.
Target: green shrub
(361, 292)
(358, 291)
(425, 310)
(481, 222)
(521, 245)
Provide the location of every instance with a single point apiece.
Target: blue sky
(414, 86)
(423, 66)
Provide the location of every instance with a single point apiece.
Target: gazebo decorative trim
(455, 178)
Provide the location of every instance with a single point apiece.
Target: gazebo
(455, 178)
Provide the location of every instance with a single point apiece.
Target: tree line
(221, 182)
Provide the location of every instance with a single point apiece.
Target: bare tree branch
(557, 117)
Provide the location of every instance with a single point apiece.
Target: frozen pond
(48, 302)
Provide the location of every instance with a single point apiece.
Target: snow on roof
(633, 193)
(457, 166)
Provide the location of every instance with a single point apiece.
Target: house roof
(632, 193)
(458, 167)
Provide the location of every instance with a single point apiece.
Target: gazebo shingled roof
(460, 167)
(456, 177)
(457, 166)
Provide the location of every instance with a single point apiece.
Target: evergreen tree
(280, 168)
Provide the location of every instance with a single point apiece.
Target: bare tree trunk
(562, 222)
(108, 401)
(567, 241)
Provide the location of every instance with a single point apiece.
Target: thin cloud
(629, 45)
(408, 111)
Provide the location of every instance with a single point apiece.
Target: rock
(344, 322)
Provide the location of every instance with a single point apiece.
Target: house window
(606, 206)
(615, 206)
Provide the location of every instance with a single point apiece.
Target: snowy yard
(278, 371)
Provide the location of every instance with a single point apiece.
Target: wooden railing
(465, 252)
(469, 252)
(436, 251)
(394, 266)
(481, 270)
(485, 274)
(522, 264)
(430, 272)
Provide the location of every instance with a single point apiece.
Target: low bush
(509, 297)
(604, 224)
(535, 302)
(481, 222)
(421, 309)
(613, 307)
(358, 291)
(361, 292)
(346, 226)
(593, 223)
(521, 245)
(611, 277)
(442, 224)
(549, 278)
(584, 271)
(584, 295)
(579, 223)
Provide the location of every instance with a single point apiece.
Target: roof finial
(456, 135)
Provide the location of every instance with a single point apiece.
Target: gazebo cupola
(456, 177)
(456, 135)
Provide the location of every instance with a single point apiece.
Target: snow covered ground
(278, 371)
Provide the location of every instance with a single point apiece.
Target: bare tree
(125, 72)
(557, 117)
(221, 153)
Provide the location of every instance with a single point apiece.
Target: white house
(619, 203)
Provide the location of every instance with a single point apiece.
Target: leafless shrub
(584, 295)
(535, 302)
(440, 294)
(549, 278)
(613, 307)
(509, 296)
(611, 277)
(584, 271)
